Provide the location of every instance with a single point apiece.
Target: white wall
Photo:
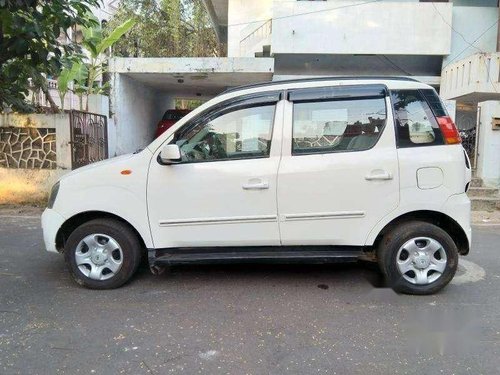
(371, 28)
(488, 162)
(240, 15)
(136, 108)
(471, 22)
(106, 9)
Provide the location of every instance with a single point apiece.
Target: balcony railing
(254, 41)
(475, 78)
(71, 100)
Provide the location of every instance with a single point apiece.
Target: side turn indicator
(126, 172)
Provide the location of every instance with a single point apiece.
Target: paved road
(242, 319)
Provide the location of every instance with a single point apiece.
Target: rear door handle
(378, 174)
(256, 184)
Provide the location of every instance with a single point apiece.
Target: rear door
(339, 171)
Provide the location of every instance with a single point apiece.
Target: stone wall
(35, 141)
(33, 148)
(34, 153)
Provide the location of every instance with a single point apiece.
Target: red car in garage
(170, 117)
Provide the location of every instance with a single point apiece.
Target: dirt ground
(13, 210)
(485, 217)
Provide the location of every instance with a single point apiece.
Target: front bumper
(51, 222)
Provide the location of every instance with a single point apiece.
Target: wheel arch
(75, 221)
(443, 221)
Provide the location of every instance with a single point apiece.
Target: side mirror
(169, 154)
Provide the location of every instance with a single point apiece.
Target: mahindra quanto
(315, 170)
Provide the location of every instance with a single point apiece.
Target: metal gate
(469, 143)
(467, 118)
(89, 138)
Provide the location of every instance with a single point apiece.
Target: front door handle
(256, 184)
(378, 174)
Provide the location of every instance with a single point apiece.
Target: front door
(223, 192)
(339, 171)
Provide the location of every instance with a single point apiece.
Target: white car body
(337, 199)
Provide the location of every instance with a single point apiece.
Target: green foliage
(65, 77)
(165, 28)
(32, 43)
(114, 36)
(84, 71)
(97, 44)
(188, 103)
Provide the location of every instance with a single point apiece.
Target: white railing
(255, 40)
(71, 100)
(476, 74)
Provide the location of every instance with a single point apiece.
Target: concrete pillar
(98, 104)
(488, 162)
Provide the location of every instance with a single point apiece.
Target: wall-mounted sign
(495, 123)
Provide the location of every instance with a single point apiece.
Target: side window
(415, 121)
(337, 125)
(232, 134)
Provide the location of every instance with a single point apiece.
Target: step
(242, 256)
(483, 192)
(476, 182)
(485, 203)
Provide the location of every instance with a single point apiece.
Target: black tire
(126, 239)
(396, 238)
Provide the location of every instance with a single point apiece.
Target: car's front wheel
(102, 254)
(418, 258)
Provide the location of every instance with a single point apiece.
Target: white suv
(312, 170)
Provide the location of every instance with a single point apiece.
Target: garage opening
(144, 89)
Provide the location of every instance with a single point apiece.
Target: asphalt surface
(243, 319)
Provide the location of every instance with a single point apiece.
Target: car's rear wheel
(102, 254)
(418, 258)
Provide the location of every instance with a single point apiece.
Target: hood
(99, 164)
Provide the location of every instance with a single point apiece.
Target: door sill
(278, 254)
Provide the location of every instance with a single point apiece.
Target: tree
(85, 70)
(166, 28)
(32, 44)
(97, 44)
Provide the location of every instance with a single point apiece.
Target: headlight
(53, 195)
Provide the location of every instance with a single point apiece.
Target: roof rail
(315, 79)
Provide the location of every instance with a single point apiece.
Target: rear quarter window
(415, 120)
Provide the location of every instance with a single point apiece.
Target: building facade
(451, 45)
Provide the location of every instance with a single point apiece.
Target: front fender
(114, 200)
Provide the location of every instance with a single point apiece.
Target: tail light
(449, 130)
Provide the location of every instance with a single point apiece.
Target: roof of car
(337, 79)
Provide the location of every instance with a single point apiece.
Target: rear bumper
(458, 207)
(51, 222)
